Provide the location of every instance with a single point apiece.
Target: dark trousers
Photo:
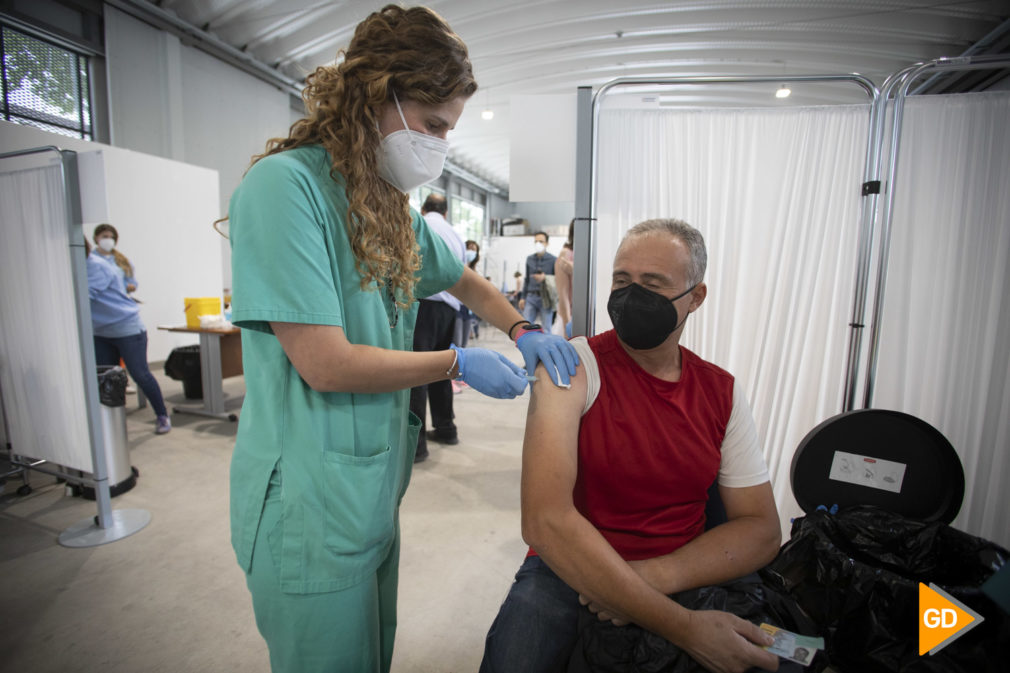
(537, 626)
(436, 322)
(133, 350)
(542, 628)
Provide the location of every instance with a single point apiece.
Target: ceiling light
(783, 92)
(487, 115)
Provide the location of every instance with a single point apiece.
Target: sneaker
(163, 425)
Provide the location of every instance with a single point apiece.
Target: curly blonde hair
(412, 53)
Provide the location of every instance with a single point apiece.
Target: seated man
(615, 475)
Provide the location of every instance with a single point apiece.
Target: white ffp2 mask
(107, 244)
(408, 159)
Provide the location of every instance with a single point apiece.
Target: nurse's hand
(558, 356)
(490, 372)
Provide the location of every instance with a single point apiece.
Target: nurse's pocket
(359, 501)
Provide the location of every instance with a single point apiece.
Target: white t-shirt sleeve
(588, 361)
(742, 462)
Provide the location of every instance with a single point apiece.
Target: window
(419, 194)
(467, 219)
(465, 216)
(44, 85)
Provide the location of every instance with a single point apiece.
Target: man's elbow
(770, 542)
(532, 531)
(539, 528)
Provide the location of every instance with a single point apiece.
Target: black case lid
(856, 457)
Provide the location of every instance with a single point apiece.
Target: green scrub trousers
(336, 632)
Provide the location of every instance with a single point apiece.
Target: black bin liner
(602, 647)
(856, 574)
(112, 385)
(183, 364)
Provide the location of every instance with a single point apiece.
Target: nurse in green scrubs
(327, 260)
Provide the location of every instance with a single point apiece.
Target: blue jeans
(534, 306)
(133, 350)
(537, 625)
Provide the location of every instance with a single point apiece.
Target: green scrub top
(344, 459)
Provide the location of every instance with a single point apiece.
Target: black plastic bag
(604, 648)
(183, 364)
(112, 385)
(857, 573)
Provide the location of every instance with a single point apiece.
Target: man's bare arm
(582, 557)
(745, 543)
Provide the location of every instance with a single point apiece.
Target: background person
(106, 242)
(434, 331)
(615, 477)
(563, 275)
(465, 321)
(538, 265)
(118, 330)
(327, 258)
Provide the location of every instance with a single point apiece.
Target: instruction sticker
(852, 468)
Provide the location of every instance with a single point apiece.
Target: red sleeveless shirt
(649, 450)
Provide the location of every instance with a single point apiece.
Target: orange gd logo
(942, 619)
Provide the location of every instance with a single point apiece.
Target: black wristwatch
(530, 327)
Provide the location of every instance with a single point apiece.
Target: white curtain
(945, 335)
(40, 358)
(776, 193)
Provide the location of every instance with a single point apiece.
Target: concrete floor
(172, 598)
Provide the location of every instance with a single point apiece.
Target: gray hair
(682, 231)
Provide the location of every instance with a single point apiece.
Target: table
(220, 358)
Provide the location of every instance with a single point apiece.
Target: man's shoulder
(603, 343)
(704, 367)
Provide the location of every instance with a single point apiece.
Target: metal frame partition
(109, 525)
(898, 84)
(587, 132)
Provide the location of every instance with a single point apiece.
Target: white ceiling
(554, 46)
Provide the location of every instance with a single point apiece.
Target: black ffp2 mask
(642, 318)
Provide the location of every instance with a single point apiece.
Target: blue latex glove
(558, 356)
(490, 372)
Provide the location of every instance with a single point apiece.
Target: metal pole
(584, 252)
(79, 273)
(871, 189)
(902, 85)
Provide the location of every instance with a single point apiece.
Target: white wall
(175, 101)
(145, 92)
(542, 147)
(163, 211)
(552, 217)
